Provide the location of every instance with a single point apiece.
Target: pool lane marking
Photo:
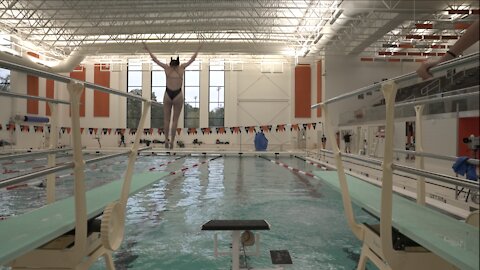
(291, 168)
(193, 166)
(167, 163)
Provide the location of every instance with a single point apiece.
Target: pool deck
(451, 239)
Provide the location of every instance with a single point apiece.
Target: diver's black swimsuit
(172, 93)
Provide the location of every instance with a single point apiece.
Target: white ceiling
(246, 27)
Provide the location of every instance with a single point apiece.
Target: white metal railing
(389, 258)
(472, 58)
(16, 95)
(26, 177)
(34, 153)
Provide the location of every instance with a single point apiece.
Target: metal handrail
(36, 153)
(437, 156)
(65, 79)
(16, 95)
(442, 66)
(440, 97)
(436, 176)
(69, 165)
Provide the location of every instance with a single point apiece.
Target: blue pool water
(163, 222)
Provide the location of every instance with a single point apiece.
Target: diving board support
(419, 160)
(391, 258)
(59, 255)
(53, 142)
(377, 239)
(113, 222)
(356, 228)
(75, 91)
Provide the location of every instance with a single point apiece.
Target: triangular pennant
(294, 127)
(160, 131)
(221, 130)
(133, 131)
(179, 130)
(81, 130)
(109, 130)
(69, 130)
(192, 131)
(11, 127)
(280, 128)
(314, 125)
(95, 130)
(236, 130)
(266, 128)
(63, 129)
(146, 131)
(118, 131)
(104, 131)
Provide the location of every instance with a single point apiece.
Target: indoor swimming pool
(164, 222)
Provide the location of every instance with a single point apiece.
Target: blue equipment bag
(261, 142)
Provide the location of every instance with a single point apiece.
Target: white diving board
(455, 241)
(26, 232)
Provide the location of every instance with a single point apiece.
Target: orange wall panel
(303, 88)
(32, 90)
(101, 100)
(50, 93)
(80, 75)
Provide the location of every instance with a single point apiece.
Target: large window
(216, 104)
(159, 83)
(134, 86)
(5, 44)
(192, 95)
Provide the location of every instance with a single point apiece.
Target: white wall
(251, 98)
(344, 74)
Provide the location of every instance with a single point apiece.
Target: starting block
(242, 235)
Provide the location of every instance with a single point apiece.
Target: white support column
(235, 250)
(53, 142)
(113, 221)
(347, 202)
(419, 159)
(75, 90)
(389, 90)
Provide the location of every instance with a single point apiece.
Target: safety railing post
(347, 203)
(53, 141)
(75, 90)
(419, 160)
(389, 90)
